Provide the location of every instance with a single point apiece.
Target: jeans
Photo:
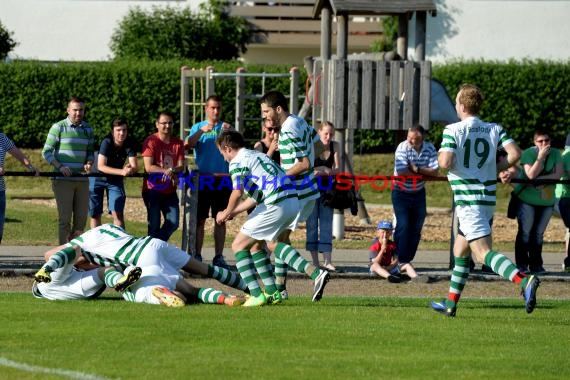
(564, 206)
(532, 222)
(166, 204)
(2, 213)
(410, 209)
(319, 228)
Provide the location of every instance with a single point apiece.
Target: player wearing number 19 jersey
(468, 151)
(473, 177)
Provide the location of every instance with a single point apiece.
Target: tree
(390, 33)
(175, 33)
(7, 44)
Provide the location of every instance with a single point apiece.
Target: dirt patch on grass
(437, 226)
(372, 287)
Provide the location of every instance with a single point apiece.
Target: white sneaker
(320, 283)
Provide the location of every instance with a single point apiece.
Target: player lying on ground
(109, 245)
(80, 279)
(154, 287)
(166, 286)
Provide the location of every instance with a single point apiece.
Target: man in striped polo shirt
(69, 149)
(296, 146)
(468, 151)
(413, 157)
(276, 209)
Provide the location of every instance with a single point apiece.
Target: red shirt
(165, 155)
(387, 256)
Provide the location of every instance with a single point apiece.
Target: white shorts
(70, 284)
(474, 221)
(266, 222)
(306, 207)
(151, 277)
(160, 253)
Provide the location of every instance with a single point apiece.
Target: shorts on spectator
(116, 197)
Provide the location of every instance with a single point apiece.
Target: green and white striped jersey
(473, 174)
(260, 177)
(296, 140)
(108, 245)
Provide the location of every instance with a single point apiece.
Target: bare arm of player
(227, 214)
(445, 160)
(301, 166)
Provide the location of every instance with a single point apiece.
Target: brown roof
(374, 7)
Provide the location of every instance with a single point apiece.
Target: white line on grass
(51, 371)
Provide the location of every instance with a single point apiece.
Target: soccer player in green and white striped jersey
(165, 285)
(277, 206)
(109, 245)
(159, 285)
(468, 151)
(296, 146)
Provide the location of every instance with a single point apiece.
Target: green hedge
(35, 94)
(520, 95)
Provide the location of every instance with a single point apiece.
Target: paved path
(352, 263)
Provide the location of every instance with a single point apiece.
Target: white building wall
(69, 30)
(80, 30)
(497, 30)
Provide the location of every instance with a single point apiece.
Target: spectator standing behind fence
(269, 144)
(382, 254)
(8, 146)
(116, 148)
(319, 223)
(563, 200)
(213, 194)
(69, 149)
(537, 202)
(413, 157)
(163, 157)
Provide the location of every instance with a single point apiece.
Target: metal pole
(240, 99)
(294, 90)
(210, 85)
(184, 95)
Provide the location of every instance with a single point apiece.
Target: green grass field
(338, 338)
